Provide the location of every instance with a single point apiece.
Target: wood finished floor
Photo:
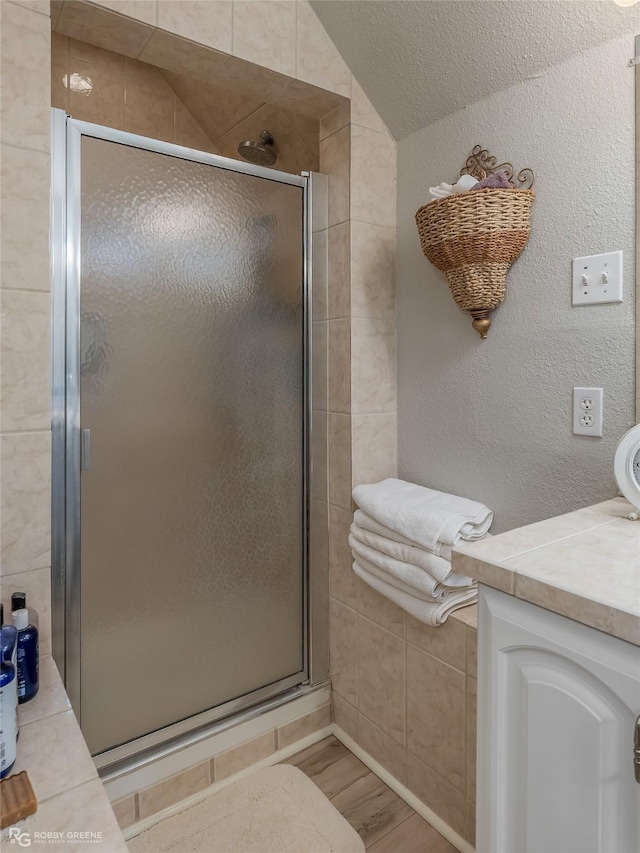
(385, 823)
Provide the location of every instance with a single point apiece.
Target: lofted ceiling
(420, 60)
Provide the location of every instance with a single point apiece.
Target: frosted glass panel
(192, 387)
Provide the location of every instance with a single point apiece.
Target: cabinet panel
(557, 708)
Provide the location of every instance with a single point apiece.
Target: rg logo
(17, 836)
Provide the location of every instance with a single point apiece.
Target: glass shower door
(192, 416)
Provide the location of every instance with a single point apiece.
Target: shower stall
(185, 587)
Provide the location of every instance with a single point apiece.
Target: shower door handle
(85, 449)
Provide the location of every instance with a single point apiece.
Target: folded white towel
(365, 522)
(411, 575)
(431, 613)
(423, 515)
(437, 567)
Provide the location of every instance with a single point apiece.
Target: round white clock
(627, 468)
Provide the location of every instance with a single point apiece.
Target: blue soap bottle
(28, 649)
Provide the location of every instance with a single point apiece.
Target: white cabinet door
(557, 704)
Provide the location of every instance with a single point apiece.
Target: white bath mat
(276, 810)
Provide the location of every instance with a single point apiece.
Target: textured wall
(492, 419)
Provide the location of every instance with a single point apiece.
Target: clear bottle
(8, 697)
(9, 654)
(28, 649)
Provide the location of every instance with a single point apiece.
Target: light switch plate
(597, 279)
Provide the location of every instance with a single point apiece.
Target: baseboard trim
(403, 792)
(194, 799)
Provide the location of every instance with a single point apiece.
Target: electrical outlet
(587, 411)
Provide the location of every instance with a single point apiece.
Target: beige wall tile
(56, 755)
(51, 697)
(256, 82)
(384, 749)
(319, 456)
(381, 678)
(436, 716)
(234, 760)
(339, 262)
(334, 162)
(380, 610)
(339, 366)
(343, 583)
(470, 830)
(319, 549)
(101, 27)
(182, 56)
(304, 98)
(36, 584)
(25, 71)
(125, 811)
(207, 22)
(319, 366)
(26, 178)
(446, 642)
(373, 190)
(340, 460)
(345, 716)
(320, 274)
(26, 504)
(304, 726)
(363, 112)
(265, 33)
(373, 366)
(217, 108)
(59, 59)
(187, 131)
(446, 801)
(374, 448)
(96, 84)
(471, 715)
(318, 60)
(174, 789)
(148, 102)
(472, 651)
(373, 250)
(141, 10)
(336, 119)
(309, 130)
(25, 391)
(343, 651)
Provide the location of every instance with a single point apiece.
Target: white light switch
(597, 279)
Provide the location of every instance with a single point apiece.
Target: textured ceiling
(420, 60)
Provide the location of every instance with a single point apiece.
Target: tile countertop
(584, 565)
(71, 798)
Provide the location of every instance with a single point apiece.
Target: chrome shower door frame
(67, 135)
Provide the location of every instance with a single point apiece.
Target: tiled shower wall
(375, 654)
(25, 454)
(97, 85)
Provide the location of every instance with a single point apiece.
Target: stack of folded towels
(401, 540)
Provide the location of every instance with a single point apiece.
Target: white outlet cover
(588, 401)
(597, 279)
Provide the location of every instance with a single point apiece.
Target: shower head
(261, 153)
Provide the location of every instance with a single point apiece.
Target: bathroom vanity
(559, 684)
